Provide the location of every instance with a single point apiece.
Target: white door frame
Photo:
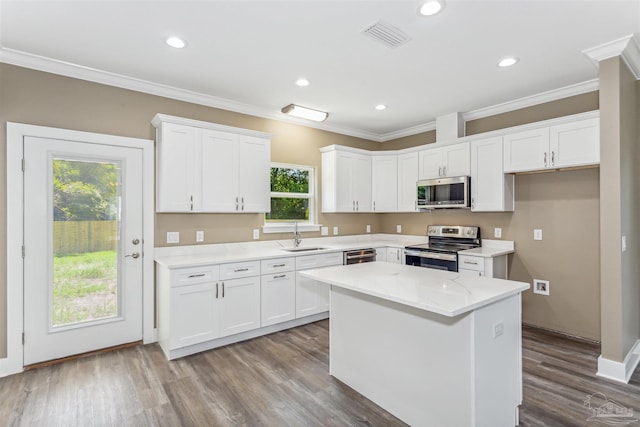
(16, 132)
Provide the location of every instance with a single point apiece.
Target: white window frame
(303, 226)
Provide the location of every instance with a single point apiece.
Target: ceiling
(246, 55)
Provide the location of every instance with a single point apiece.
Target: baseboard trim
(620, 371)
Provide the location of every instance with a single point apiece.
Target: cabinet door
(491, 188)
(526, 151)
(345, 201)
(407, 178)
(175, 173)
(278, 298)
(253, 170)
(395, 255)
(194, 315)
(239, 305)
(361, 182)
(311, 296)
(575, 144)
(384, 185)
(381, 254)
(456, 160)
(430, 163)
(219, 175)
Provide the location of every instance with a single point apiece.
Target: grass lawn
(84, 287)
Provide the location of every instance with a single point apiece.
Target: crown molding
(36, 62)
(627, 47)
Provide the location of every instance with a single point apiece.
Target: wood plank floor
(277, 380)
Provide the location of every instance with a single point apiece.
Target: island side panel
(498, 362)
(413, 363)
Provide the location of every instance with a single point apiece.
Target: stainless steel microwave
(444, 193)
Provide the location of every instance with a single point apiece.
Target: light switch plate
(256, 234)
(398, 228)
(368, 228)
(173, 237)
(324, 231)
(624, 243)
(537, 234)
(199, 236)
(497, 232)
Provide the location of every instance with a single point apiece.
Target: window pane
(285, 180)
(285, 209)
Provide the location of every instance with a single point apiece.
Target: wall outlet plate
(541, 287)
(199, 236)
(324, 231)
(398, 228)
(368, 228)
(256, 234)
(335, 231)
(498, 329)
(537, 234)
(173, 237)
(497, 232)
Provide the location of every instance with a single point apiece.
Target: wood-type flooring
(277, 380)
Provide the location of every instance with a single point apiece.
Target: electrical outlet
(541, 287)
(200, 236)
(537, 234)
(624, 243)
(335, 231)
(398, 228)
(324, 231)
(497, 232)
(368, 228)
(256, 234)
(173, 237)
(498, 329)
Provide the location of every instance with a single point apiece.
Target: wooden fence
(72, 237)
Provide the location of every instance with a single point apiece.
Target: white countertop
(491, 249)
(442, 292)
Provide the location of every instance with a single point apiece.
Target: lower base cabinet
(278, 298)
(193, 315)
(239, 305)
(495, 267)
(312, 297)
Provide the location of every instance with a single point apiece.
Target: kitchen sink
(303, 249)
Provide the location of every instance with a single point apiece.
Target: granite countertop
(442, 292)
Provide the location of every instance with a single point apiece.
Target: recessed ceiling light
(303, 82)
(431, 7)
(176, 42)
(381, 107)
(507, 62)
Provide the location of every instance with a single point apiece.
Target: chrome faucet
(296, 235)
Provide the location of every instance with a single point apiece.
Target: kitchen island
(434, 348)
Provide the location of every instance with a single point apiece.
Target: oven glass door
(436, 260)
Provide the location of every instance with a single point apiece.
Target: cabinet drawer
(471, 272)
(467, 262)
(194, 275)
(277, 265)
(335, 258)
(239, 269)
(320, 260)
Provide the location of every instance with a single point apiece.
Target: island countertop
(442, 292)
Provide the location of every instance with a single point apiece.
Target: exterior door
(82, 247)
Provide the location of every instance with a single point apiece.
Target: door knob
(134, 255)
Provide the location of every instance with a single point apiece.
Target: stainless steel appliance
(439, 193)
(441, 252)
(359, 256)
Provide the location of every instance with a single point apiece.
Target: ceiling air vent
(387, 34)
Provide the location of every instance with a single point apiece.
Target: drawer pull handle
(216, 291)
(222, 289)
(278, 265)
(238, 270)
(280, 276)
(470, 262)
(192, 276)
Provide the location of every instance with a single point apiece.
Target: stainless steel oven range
(441, 251)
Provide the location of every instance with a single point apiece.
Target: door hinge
(23, 250)
(23, 338)
(23, 162)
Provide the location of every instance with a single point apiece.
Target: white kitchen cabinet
(495, 267)
(450, 160)
(491, 188)
(407, 178)
(384, 183)
(559, 146)
(381, 254)
(239, 305)
(312, 297)
(204, 167)
(395, 255)
(193, 315)
(346, 180)
(278, 291)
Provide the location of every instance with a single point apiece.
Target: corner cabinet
(407, 178)
(384, 182)
(205, 167)
(346, 180)
(491, 189)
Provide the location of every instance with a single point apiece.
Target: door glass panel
(86, 208)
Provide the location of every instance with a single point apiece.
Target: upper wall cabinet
(558, 146)
(204, 167)
(407, 178)
(491, 188)
(384, 182)
(451, 160)
(346, 180)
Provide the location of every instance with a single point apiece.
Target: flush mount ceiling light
(305, 113)
(303, 82)
(431, 7)
(381, 107)
(176, 42)
(507, 62)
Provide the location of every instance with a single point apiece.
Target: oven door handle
(431, 255)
